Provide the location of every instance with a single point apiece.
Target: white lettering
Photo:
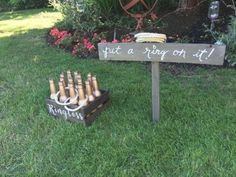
(113, 51)
(180, 53)
(147, 52)
(66, 114)
(199, 54)
(51, 110)
(131, 51)
(155, 51)
(211, 52)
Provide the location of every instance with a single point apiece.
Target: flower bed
(81, 44)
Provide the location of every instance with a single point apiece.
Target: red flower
(88, 45)
(59, 35)
(54, 32)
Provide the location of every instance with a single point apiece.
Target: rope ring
(78, 108)
(66, 103)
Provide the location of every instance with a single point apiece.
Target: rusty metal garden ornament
(140, 15)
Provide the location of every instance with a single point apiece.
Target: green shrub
(4, 5)
(21, 4)
(229, 39)
(88, 15)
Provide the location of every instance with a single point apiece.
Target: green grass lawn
(195, 137)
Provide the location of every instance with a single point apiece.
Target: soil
(189, 25)
(193, 23)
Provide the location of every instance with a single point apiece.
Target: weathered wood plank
(163, 52)
(155, 91)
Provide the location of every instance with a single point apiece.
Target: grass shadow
(22, 14)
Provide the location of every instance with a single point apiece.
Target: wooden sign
(162, 52)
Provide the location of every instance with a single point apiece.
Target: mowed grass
(196, 135)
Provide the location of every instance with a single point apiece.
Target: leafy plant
(66, 42)
(99, 15)
(90, 15)
(229, 39)
(108, 7)
(4, 5)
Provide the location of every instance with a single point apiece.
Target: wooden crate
(85, 115)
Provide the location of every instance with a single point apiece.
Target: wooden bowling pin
(89, 91)
(52, 89)
(62, 91)
(69, 76)
(72, 94)
(96, 91)
(82, 99)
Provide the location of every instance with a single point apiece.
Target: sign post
(162, 52)
(155, 91)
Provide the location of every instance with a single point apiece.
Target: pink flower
(90, 47)
(85, 41)
(74, 52)
(54, 32)
(103, 41)
(58, 41)
(59, 35)
(88, 44)
(125, 40)
(115, 41)
(63, 34)
(75, 49)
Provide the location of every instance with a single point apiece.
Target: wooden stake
(155, 91)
